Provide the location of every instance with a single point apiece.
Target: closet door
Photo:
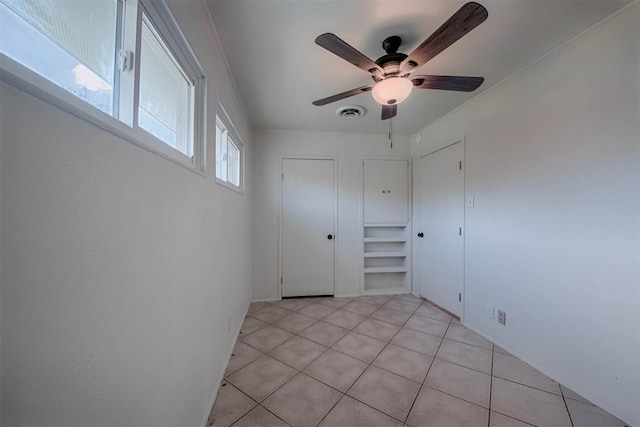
(440, 244)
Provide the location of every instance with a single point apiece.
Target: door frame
(335, 215)
(416, 215)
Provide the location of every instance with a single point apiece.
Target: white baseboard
(212, 401)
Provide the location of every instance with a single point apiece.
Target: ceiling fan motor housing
(390, 62)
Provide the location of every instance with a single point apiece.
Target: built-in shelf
(385, 224)
(384, 239)
(385, 269)
(385, 255)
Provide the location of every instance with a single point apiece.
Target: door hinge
(460, 165)
(281, 280)
(459, 231)
(459, 297)
(283, 177)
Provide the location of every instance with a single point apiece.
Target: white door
(308, 227)
(439, 227)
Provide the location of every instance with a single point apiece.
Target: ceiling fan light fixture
(392, 90)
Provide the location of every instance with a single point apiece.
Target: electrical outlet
(490, 312)
(502, 317)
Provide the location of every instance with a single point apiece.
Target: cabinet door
(374, 185)
(397, 195)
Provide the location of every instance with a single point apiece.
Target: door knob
(330, 236)
(421, 235)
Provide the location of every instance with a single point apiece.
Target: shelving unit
(386, 249)
(385, 258)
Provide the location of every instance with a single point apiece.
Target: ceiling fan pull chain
(390, 137)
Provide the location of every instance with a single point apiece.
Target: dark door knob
(330, 236)
(421, 235)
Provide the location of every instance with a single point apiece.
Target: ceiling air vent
(351, 112)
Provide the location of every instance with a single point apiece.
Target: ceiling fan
(392, 72)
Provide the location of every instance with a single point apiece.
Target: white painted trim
(266, 300)
(212, 401)
(221, 112)
(442, 146)
(348, 296)
(32, 83)
(593, 399)
(414, 273)
(125, 126)
(335, 216)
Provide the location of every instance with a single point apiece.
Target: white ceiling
(279, 70)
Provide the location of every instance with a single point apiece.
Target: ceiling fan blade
(389, 111)
(464, 20)
(342, 95)
(337, 46)
(457, 83)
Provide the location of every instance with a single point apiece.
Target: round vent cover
(351, 112)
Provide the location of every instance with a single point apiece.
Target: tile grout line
(266, 409)
(386, 345)
(565, 405)
(463, 366)
(406, 418)
(300, 371)
(383, 348)
(267, 354)
(491, 385)
(371, 363)
(353, 330)
(250, 409)
(329, 348)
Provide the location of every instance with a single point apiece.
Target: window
(89, 49)
(166, 99)
(70, 43)
(229, 154)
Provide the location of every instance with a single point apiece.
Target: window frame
(124, 121)
(223, 118)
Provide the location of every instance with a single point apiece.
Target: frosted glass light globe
(392, 90)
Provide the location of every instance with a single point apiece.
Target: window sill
(231, 187)
(22, 78)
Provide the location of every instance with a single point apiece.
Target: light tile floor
(383, 361)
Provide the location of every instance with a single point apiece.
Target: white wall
(553, 161)
(119, 268)
(349, 149)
